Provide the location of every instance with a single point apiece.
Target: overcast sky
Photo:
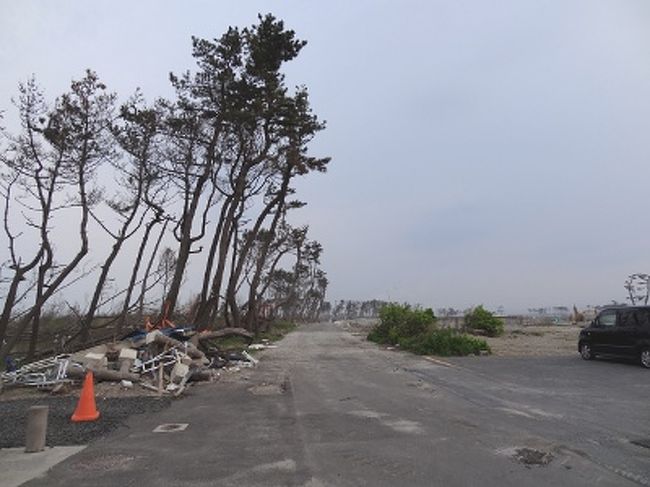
(482, 152)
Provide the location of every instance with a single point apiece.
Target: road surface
(327, 408)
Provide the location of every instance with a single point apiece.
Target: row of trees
(350, 309)
(214, 166)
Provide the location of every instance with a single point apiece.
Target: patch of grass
(229, 343)
(276, 331)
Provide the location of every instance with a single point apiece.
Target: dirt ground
(535, 341)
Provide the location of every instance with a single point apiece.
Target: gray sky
(483, 152)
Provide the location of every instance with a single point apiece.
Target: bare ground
(535, 341)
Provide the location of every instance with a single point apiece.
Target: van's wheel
(585, 351)
(645, 357)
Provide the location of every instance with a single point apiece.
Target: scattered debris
(165, 360)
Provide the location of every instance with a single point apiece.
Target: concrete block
(95, 360)
(95, 356)
(179, 371)
(125, 364)
(128, 353)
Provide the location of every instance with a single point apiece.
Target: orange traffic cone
(86, 409)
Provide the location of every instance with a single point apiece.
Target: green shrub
(413, 329)
(398, 321)
(481, 319)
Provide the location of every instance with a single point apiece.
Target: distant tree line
(351, 309)
(214, 166)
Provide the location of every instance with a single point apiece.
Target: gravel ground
(60, 430)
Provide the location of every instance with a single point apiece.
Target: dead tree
(74, 131)
(638, 288)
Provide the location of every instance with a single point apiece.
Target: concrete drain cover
(528, 456)
(170, 427)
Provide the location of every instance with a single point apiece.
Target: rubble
(166, 361)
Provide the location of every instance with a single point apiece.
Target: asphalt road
(327, 408)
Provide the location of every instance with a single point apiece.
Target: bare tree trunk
(33, 339)
(147, 271)
(251, 316)
(235, 202)
(231, 297)
(20, 272)
(52, 286)
(186, 241)
(36, 322)
(99, 287)
(10, 300)
(134, 275)
(221, 234)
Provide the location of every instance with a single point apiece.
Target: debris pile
(165, 361)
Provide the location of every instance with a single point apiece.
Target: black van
(618, 331)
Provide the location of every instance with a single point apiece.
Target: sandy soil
(551, 340)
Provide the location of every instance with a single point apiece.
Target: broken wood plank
(189, 348)
(101, 374)
(226, 332)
